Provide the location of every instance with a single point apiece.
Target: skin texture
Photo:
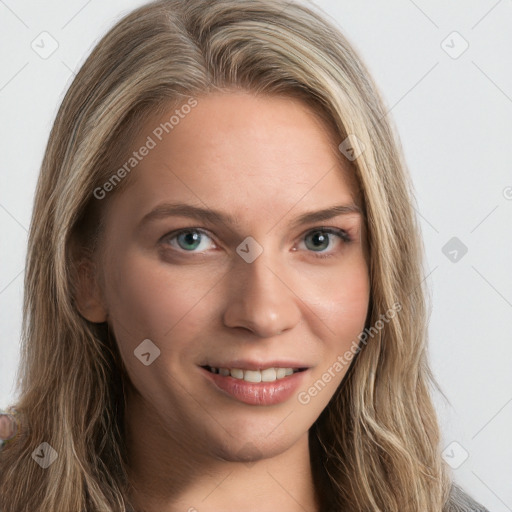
(7, 427)
(264, 160)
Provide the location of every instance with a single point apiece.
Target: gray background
(453, 112)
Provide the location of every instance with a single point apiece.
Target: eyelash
(341, 233)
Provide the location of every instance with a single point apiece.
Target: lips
(256, 393)
(255, 381)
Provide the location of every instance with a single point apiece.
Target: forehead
(243, 150)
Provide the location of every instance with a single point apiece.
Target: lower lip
(257, 393)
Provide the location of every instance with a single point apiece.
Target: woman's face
(247, 285)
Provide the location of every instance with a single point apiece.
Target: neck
(175, 472)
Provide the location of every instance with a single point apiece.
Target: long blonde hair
(376, 445)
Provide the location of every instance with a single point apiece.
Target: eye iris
(321, 237)
(190, 237)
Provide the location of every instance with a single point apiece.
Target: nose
(260, 300)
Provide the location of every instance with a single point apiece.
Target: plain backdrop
(445, 72)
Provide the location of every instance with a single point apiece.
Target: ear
(88, 294)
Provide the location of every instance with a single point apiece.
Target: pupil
(319, 237)
(190, 238)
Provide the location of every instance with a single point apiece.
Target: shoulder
(461, 501)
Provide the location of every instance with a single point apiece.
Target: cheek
(149, 300)
(340, 302)
(340, 314)
(146, 300)
(349, 308)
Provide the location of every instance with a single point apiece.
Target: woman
(280, 363)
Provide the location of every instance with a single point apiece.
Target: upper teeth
(266, 375)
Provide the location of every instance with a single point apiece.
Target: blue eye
(189, 240)
(195, 240)
(321, 238)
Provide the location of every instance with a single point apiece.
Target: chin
(249, 449)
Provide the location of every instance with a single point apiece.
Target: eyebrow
(216, 217)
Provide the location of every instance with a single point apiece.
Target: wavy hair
(376, 444)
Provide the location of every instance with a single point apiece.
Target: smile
(264, 375)
(250, 386)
